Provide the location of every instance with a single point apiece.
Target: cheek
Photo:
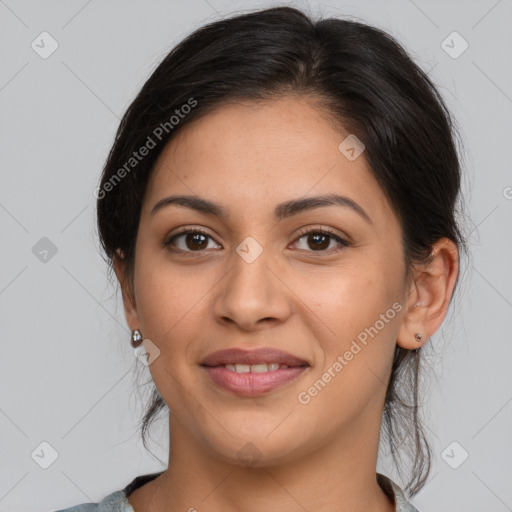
(165, 296)
(349, 300)
(170, 311)
(355, 324)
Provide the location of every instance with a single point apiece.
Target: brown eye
(192, 240)
(319, 240)
(195, 241)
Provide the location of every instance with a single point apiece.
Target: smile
(255, 368)
(252, 380)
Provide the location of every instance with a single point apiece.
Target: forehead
(257, 154)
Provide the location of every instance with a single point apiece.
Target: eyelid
(318, 228)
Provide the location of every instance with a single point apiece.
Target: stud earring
(136, 338)
(418, 337)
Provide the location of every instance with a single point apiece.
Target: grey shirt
(118, 500)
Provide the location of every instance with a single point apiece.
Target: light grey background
(67, 371)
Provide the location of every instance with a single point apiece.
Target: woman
(279, 209)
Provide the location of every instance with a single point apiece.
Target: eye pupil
(318, 236)
(195, 236)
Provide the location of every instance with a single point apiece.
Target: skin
(313, 303)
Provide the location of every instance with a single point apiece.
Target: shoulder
(395, 492)
(115, 502)
(118, 500)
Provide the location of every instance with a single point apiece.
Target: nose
(253, 295)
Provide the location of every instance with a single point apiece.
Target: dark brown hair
(369, 85)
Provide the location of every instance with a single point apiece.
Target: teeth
(254, 368)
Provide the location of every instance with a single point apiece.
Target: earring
(136, 338)
(418, 337)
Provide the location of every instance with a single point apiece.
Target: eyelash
(323, 231)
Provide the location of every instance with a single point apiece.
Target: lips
(266, 355)
(251, 384)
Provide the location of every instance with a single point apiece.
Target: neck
(339, 475)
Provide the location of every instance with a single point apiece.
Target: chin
(257, 449)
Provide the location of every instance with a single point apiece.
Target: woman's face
(253, 279)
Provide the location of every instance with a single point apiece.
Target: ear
(429, 295)
(130, 307)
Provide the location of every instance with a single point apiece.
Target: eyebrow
(281, 211)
